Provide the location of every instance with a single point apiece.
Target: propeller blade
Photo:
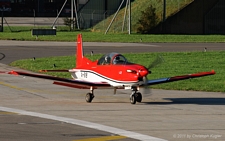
(146, 89)
(159, 59)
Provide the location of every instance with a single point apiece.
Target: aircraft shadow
(199, 101)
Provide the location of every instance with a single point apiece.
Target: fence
(99, 20)
(215, 19)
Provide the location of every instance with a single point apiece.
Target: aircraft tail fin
(81, 60)
(80, 53)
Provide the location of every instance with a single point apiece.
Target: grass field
(176, 63)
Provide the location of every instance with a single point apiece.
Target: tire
(138, 97)
(133, 99)
(89, 97)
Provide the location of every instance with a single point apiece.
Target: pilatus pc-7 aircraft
(110, 71)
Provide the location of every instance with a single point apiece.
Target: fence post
(1, 27)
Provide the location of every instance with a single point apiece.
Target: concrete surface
(163, 115)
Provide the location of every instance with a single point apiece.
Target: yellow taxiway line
(106, 138)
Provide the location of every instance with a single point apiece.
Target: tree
(68, 22)
(148, 20)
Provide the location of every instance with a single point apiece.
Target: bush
(148, 20)
(68, 21)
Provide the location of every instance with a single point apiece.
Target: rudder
(79, 54)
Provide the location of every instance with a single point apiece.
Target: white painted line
(109, 129)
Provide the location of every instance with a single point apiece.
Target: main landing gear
(90, 96)
(135, 96)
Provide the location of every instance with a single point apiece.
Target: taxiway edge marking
(87, 124)
(10, 86)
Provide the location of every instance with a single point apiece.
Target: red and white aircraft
(110, 71)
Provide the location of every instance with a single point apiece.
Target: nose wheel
(135, 97)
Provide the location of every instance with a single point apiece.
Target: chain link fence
(215, 19)
(99, 21)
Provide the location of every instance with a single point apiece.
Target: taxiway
(34, 109)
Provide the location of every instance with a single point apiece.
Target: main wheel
(133, 99)
(89, 97)
(138, 97)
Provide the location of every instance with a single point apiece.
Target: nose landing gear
(135, 96)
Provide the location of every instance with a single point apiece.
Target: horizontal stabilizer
(53, 70)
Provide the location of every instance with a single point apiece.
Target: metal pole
(92, 18)
(125, 13)
(129, 18)
(164, 10)
(7, 24)
(77, 21)
(71, 14)
(2, 21)
(114, 17)
(34, 16)
(59, 13)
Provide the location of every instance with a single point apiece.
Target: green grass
(176, 63)
(24, 34)
(173, 6)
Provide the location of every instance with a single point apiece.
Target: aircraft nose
(143, 72)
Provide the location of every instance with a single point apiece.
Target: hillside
(136, 7)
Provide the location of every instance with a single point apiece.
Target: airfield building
(199, 17)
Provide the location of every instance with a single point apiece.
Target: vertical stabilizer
(79, 54)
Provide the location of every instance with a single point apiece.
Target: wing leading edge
(177, 78)
(63, 81)
(88, 85)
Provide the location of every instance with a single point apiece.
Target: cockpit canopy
(112, 59)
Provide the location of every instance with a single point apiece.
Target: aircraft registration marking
(84, 74)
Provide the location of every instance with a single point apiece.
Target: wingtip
(13, 72)
(213, 71)
(43, 71)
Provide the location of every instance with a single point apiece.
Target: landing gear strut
(135, 96)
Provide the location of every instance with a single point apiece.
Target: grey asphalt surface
(168, 115)
(14, 50)
(26, 128)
